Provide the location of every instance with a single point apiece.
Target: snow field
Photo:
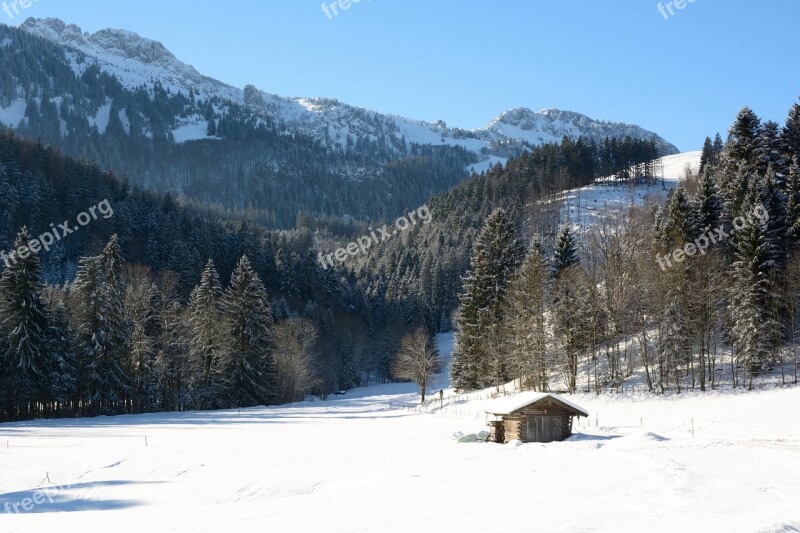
(355, 464)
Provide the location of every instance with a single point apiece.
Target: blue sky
(466, 61)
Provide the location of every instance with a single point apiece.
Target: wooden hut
(533, 417)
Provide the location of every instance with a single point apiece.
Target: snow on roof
(513, 403)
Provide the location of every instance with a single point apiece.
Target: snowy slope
(551, 125)
(366, 464)
(586, 206)
(137, 61)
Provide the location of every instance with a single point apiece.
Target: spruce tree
(774, 201)
(707, 156)
(9, 199)
(63, 365)
(566, 251)
(752, 322)
(793, 203)
(771, 151)
(719, 146)
(495, 256)
(708, 204)
(791, 132)
(251, 372)
(24, 331)
(102, 331)
(208, 351)
(743, 140)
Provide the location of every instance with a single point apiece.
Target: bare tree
(793, 307)
(417, 360)
(524, 336)
(294, 340)
(140, 313)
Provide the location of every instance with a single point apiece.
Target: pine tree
(251, 370)
(743, 140)
(566, 251)
(9, 199)
(719, 146)
(681, 222)
(771, 151)
(707, 157)
(102, 331)
(793, 203)
(791, 132)
(496, 254)
(208, 353)
(753, 326)
(24, 332)
(708, 204)
(63, 369)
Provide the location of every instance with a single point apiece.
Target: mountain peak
(141, 62)
(551, 125)
(54, 29)
(117, 42)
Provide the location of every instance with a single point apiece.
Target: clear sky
(465, 61)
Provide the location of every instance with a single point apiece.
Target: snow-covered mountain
(551, 125)
(128, 104)
(137, 61)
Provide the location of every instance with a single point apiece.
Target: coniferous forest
(623, 299)
(169, 306)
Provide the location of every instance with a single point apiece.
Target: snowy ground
(363, 463)
(586, 206)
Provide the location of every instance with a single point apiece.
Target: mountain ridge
(327, 120)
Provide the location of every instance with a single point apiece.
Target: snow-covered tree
(566, 251)
(24, 367)
(495, 256)
(753, 326)
(251, 376)
(209, 352)
(99, 312)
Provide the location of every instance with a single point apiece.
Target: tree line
(592, 314)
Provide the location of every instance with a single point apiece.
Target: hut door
(540, 429)
(546, 432)
(533, 429)
(558, 432)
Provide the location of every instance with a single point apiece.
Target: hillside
(127, 103)
(585, 207)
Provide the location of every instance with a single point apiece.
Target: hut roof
(509, 405)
